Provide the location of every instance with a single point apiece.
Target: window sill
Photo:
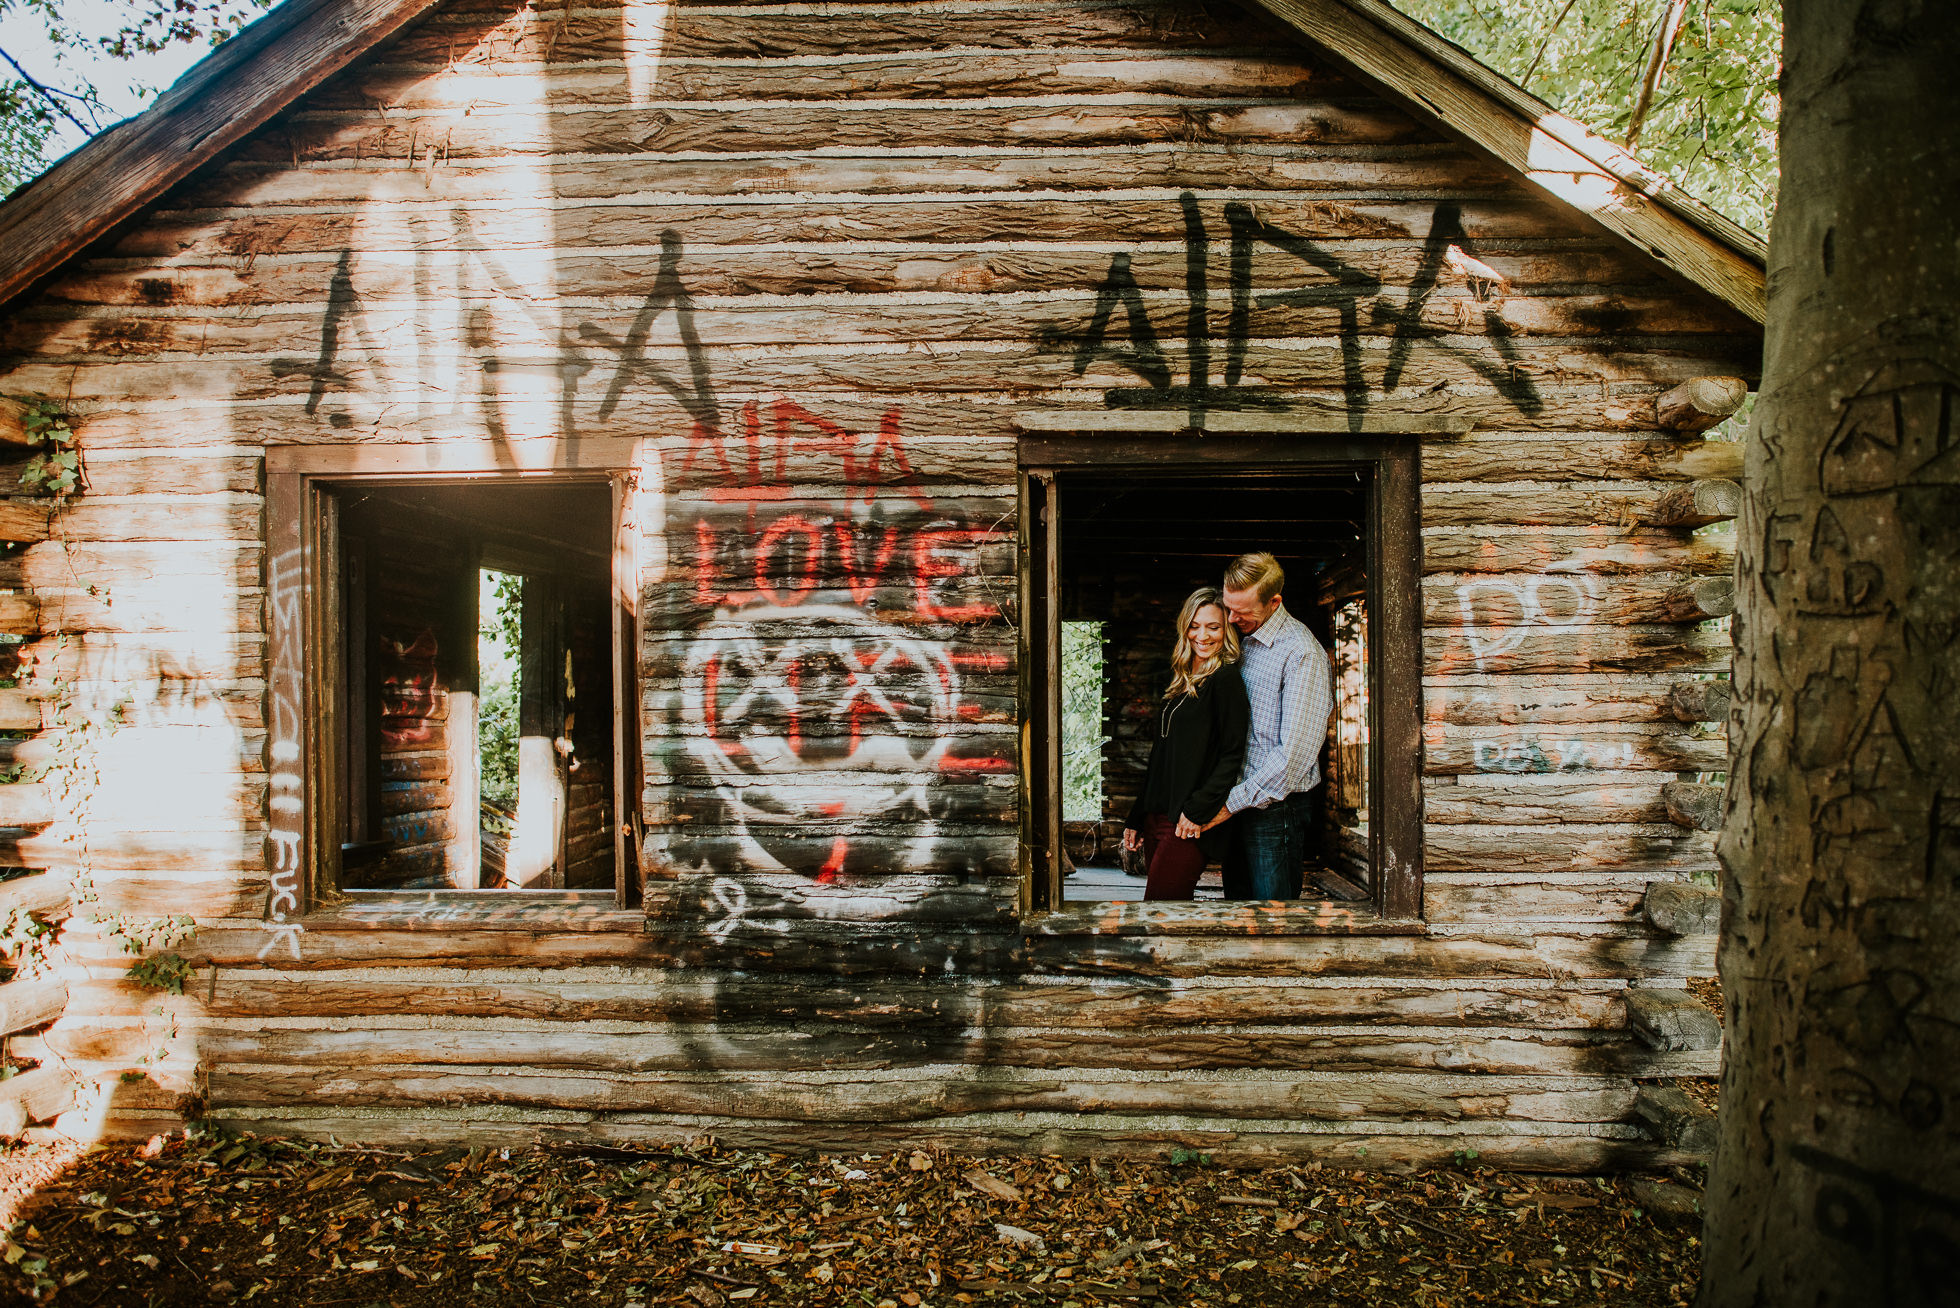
(479, 910)
(1272, 918)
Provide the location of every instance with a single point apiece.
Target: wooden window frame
(1395, 673)
(306, 684)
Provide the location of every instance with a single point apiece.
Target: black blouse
(1197, 754)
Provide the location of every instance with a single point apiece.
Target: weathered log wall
(817, 261)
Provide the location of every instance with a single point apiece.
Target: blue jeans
(1268, 846)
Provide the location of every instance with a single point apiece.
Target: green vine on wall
(74, 737)
(56, 467)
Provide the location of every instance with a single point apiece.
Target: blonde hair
(1256, 572)
(1188, 671)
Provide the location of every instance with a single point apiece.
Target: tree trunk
(1834, 1181)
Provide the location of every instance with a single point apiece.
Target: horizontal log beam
(1229, 1143)
(20, 710)
(1676, 1120)
(13, 423)
(1501, 458)
(37, 1095)
(1574, 649)
(1582, 550)
(892, 1003)
(1700, 403)
(44, 894)
(25, 804)
(28, 1004)
(1681, 908)
(1696, 504)
(23, 521)
(1700, 599)
(1495, 1050)
(1526, 749)
(1671, 1021)
(864, 951)
(1172, 422)
(1693, 805)
(1701, 701)
(948, 1089)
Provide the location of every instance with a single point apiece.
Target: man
(1291, 685)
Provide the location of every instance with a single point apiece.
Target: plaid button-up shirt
(1291, 685)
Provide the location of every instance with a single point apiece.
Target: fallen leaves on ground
(273, 1222)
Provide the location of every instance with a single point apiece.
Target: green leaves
(162, 972)
(56, 468)
(1712, 126)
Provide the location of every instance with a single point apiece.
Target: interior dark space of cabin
(476, 639)
(1132, 546)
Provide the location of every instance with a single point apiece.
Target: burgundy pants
(1175, 865)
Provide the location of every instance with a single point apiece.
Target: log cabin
(627, 551)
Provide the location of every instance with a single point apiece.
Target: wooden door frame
(305, 670)
(1394, 647)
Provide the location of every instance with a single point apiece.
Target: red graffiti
(810, 659)
(861, 578)
(802, 580)
(798, 445)
(410, 698)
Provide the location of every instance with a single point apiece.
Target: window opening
(1130, 548)
(478, 667)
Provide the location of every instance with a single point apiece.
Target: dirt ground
(230, 1220)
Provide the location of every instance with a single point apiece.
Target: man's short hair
(1256, 572)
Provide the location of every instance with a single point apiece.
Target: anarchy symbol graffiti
(839, 719)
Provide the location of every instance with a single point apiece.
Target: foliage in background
(26, 122)
(496, 725)
(1712, 125)
(1082, 721)
(500, 637)
(32, 107)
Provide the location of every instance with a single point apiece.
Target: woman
(1196, 754)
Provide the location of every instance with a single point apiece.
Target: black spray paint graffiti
(668, 293)
(835, 708)
(1347, 290)
(341, 303)
(346, 333)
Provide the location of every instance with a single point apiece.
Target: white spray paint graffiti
(1550, 600)
(287, 802)
(732, 905)
(858, 696)
(1550, 755)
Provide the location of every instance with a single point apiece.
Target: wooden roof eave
(1445, 85)
(235, 89)
(300, 43)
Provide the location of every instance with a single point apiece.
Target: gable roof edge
(230, 92)
(1445, 84)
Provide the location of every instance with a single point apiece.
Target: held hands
(1131, 840)
(1186, 828)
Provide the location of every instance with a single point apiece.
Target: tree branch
(1656, 63)
(51, 94)
(1545, 44)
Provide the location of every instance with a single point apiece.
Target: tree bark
(1834, 1179)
